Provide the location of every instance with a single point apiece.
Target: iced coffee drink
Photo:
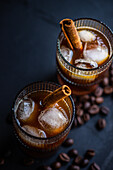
(43, 114)
(84, 53)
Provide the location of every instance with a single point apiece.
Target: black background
(28, 34)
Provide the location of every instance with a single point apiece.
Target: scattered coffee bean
(90, 153)
(64, 157)
(84, 98)
(94, 166)
(99, 100)
(73, 167)
(87, 105)
(68, 142)
(86, 117)
(108, 90)
(92, 99)
(105, 81)
(79, 112)
(94, 109)
(79, 105)
(78, 160)
(28, 161)
(101, 124)
(98, 92)
(104, 110)
(2, 161)
(75, 122)
(84, 162)
(73, 153)
(56, 165)
(80, 120)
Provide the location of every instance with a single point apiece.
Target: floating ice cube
(98, 54)
(67, 53)
(25, 108)
(34, 131)
(85, 63)
(86, 36)
(52, 120)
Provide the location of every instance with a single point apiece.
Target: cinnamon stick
(56, 96)
(71, 34)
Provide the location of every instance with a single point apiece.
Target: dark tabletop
(28, 34)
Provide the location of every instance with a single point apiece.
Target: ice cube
(25, 108)
(85, 63)
(86, 36)
(53, 120)
(98, 54)
(34, 131)
(67, 53)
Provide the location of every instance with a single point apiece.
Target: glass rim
(82, 69)
(34, 137)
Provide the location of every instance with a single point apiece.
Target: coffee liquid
(37, 97)
(100, 39)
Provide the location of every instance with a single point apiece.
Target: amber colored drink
(40, 131)
(83, 70)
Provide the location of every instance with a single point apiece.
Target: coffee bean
(64, 157)
(73, 153)
(2, 161)
(44, 168)
(87, 105)
(84, 98)
(84, 162)
(73, 167)
(94, 166)
(99, 100)
(79, 112)
(68, 142)
(79, 105)
(92, 99)
(28, 161)
(86, 117)
(80, 120)
(101, 124)
(75, 122)
(78, 160)
(104, 110)
(94, 109)
(90, 153)
(108, 90)
(98, 92)
(56, 165)
(105, 81)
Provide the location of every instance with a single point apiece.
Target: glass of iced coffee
(84, 54)
(42, 118)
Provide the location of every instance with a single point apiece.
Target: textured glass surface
(89, 76)
(28, 140)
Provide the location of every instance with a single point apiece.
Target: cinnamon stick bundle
(71, 34)
(56, 96)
